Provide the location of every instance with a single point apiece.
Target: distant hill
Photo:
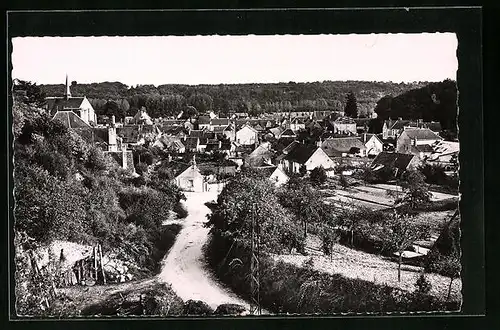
(168, 100)
(432, 102)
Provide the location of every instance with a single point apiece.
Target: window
(191, 183)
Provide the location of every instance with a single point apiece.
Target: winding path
(184, 267)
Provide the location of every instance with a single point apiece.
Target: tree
(305, 202)
(416, 191)
(302, 170)
(400, 232)
(318, 176)
(351, 107)
(247, 196)
(28, 93)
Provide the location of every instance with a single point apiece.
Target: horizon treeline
(435, 101)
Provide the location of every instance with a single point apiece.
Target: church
(79, 105)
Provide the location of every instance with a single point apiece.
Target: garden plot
(360, 265)
(436, 196)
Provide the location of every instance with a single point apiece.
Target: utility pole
(254, 268)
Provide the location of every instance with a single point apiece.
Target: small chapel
(79, 105)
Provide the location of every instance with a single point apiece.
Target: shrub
(286, 288)
(197, 307)
(318, 176)
(141, 168)
(423, 286)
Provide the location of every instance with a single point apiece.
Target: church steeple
(68, 92)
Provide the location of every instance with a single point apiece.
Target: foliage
(318, 176)
(435, 174)
(351, 107)
(305, 202)
(416, 191)
(245, 197)
(28, 93)
(433, 102)
(197, 307)
(141, 168)
(423, 285)
(382, 175)
(285, 288)
(400, 232)
(343, 181)
(170, 100)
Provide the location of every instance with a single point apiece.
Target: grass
(287, 288)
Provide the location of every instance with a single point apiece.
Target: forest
(168, 100)
(432, 102)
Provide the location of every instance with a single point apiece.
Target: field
(377, 269)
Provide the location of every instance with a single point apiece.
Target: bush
(141, 168)
(286, 288)
(197, 307)
(318, 176)
(180, 210)
(423, 286)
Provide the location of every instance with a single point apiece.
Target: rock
(197, 307)
(230, 309)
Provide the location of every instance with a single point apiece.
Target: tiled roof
(70, 119)
(287, 132)
(220, 121)
(59, 104)
(393, 159)
(421, 134)
(425, 148)
(400, 124)
(191, 142)
(301, 153)
(204, 120)
(336, 146)
(195, 133)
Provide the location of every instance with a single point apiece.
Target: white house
(373, 144)
(416, 140)
(191, 179)
(246, 135)
(307, 156)
(79, 105)
(278, 177)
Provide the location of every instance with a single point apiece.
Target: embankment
(285, 288)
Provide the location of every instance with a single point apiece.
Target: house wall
(191, 182)
(88, 111)
(342, 128)
(246, 136)
(373, 146)
(278, 177)
(404, 142)
(319, 158)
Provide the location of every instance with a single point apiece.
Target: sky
(236, 59)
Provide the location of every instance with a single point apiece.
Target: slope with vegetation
(285, 218)
(68, 190)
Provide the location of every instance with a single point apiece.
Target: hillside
(69, 191)
(433, 102)
(168, 100)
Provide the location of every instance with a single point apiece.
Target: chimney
(415, 141)
(124, 158)
(193, 161)
(67, 95)
(113, 121)
(319, 143)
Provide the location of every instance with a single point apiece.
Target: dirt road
(184, 267)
